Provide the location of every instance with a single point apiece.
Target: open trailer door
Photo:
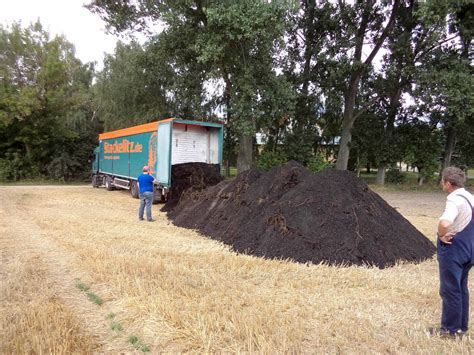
(163, 154)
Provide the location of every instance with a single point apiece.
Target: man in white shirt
(455, 252)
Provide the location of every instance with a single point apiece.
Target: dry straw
(178, 291)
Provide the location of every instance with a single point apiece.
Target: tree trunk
(308, 55)
(245, 156)
(380, 180)
(227, 168)
(28, 151)
(448, 149)
(227, 103)
(421, 180)
(347, 123)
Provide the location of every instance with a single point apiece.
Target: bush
(268, 160)
(395, 176)
(6, 170)
(317, 163)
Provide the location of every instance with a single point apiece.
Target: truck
(121, 155)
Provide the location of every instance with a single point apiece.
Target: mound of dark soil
(290, 212)
(190, 178)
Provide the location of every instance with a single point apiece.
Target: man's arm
(444, 231)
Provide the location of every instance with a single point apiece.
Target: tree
(45, 105)
(231, 42)
(312, 30)
(125, 92)
(422, 147)
(369, 17)
(418, 36)
(414, 35)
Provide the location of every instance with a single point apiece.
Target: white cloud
(64, 17)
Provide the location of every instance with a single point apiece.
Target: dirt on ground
(293, 213)
(189, 178)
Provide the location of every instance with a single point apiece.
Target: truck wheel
(108, 183)
(158, 197)
(95, 181)
(134, 189)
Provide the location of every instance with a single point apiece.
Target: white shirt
(457, 210)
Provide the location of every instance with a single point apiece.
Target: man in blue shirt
(145, 183)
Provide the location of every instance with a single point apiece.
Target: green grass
(90, 295)
(138, 344)
(116, 327)
(83, 287)
(94, 298)
(111, 316)
(410, 183)
(30, 182)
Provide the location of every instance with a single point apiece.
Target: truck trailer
(118, 160)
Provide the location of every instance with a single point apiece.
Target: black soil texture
(292, 213)
(190, 178)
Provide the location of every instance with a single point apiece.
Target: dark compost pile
(190, 178)
(293, 213)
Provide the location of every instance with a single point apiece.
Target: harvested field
(168, 289)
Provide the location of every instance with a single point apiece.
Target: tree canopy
(46, 106)
(366, 83)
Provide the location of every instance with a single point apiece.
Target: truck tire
(134, 189)
(94, 181)
(108, 183)
(158, 197)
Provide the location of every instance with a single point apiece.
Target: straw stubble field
(168, 289)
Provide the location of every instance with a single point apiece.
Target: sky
(64, 17)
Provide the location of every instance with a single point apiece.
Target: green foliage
(111, 315)
(423, 147)
(83, 287)
(138, 343)
(90, 295)
(395, 176)
(130, 88)
(281, 68)
(233, 45)
(317, 163)
(270, 159)
(45, 106)
(116, 327)
(94, 298)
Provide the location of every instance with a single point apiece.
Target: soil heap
(190, 178)
(293, 213)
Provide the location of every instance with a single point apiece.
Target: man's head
(146, 169)
(452, 178)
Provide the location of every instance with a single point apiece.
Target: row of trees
(370, 82)
(47, 125)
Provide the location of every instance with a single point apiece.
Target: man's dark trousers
(455, 261)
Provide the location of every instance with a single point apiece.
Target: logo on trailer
(122, 147)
